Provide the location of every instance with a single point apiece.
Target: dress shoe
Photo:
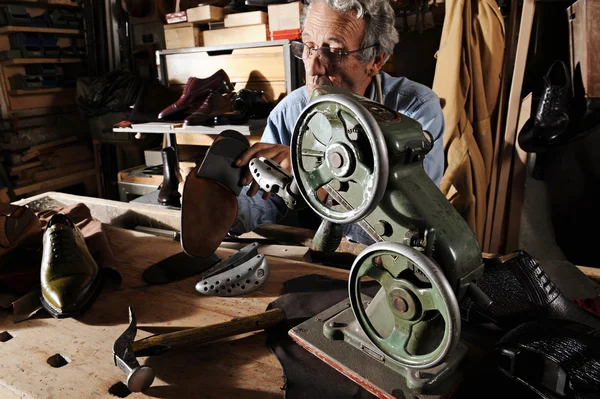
(169, 191)
(195, 92)
(215, 104)
(247, 104)
(17, 224)
(70, 277)
(552, 118)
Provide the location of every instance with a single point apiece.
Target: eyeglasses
(327, 55)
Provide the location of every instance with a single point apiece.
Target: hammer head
(138, 377)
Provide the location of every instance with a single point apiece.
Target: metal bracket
(243, 272)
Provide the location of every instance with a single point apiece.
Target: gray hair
(379, 19)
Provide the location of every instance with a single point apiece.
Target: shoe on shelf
(195, 92)
(215, 104)
(247, 104)
(70, 277)
(17, 224)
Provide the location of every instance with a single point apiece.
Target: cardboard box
(246, 18)
(204, 14)
(240, 34)
(182, 35)
(285, 16)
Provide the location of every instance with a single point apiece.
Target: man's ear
(378, 63)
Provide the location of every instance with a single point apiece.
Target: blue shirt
(407, 97)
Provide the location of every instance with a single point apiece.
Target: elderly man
(344, 44)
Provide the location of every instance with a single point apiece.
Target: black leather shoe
(247, 104)
(169, 191)
(552, 118)
(70, 276)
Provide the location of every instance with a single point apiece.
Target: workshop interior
(136, 263)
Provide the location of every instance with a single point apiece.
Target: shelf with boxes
(42, 53)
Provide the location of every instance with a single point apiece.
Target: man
(344, 43)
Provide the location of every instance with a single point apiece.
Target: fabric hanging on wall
(468, 81)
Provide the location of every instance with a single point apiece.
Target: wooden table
(242, 366)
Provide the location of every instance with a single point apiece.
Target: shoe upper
(17, 223)
(68, 272)
(552, 113)
(215, 104)
(195, 92)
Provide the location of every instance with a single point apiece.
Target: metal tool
(139, 377)
(241, 273)
(368, 159)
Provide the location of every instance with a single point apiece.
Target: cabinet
(42, 52)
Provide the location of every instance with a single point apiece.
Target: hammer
(139, 377)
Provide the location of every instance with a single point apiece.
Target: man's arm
(429, 114)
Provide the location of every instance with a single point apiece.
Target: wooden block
(16, 170)
(62, 171)
(246, 18)
(591, 272)
(240, 34)
(182, 36)
(4, 198)
(54, 184)
(285, 16)
(584, 46)
(204, 14)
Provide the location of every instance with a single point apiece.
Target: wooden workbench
(238, 367)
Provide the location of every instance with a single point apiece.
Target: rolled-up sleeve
(429, 114)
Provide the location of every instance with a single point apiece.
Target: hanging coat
(468, 81)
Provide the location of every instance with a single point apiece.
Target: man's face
(326, 27)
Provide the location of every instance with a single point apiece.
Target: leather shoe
(195, 92)
(17, 224)
(70, 276)
(215, 104)
(247, 104)
(552, 118)
(169, 194)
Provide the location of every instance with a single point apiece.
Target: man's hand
(276, 152)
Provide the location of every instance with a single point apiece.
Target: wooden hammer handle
(200, 335)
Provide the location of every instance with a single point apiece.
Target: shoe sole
(96, 288)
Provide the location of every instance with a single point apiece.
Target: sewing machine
(357, 161)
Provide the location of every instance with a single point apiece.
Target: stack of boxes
(207, 26)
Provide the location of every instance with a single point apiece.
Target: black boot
(169, 193)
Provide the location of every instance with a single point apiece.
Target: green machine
(357, 161)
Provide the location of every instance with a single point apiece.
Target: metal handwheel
(416, 292)
(337, 139)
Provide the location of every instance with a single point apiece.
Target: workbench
(241, 366)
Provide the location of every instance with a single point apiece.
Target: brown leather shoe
(195, 92)
(215, 104)
(17, 224)
(70, 277)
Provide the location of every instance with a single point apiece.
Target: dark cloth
(304, 374)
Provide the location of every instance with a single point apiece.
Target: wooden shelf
(37, 3)
(38, 91)
(33, 29)
(55, 184)
(26, 61)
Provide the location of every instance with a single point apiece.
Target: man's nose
(314, 66)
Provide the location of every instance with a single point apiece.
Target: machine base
(352, 354)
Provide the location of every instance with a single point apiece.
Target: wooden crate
(584, 17)
(182, 35)
(237, 35)
(204, 14)
(246, 18)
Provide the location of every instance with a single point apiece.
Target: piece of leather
(177, 267)
(208, 211)
(219, 161)
(17, 224)
(521, 291)
(195, 92)
(215, 104)
(70, 277)
(169, 191)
